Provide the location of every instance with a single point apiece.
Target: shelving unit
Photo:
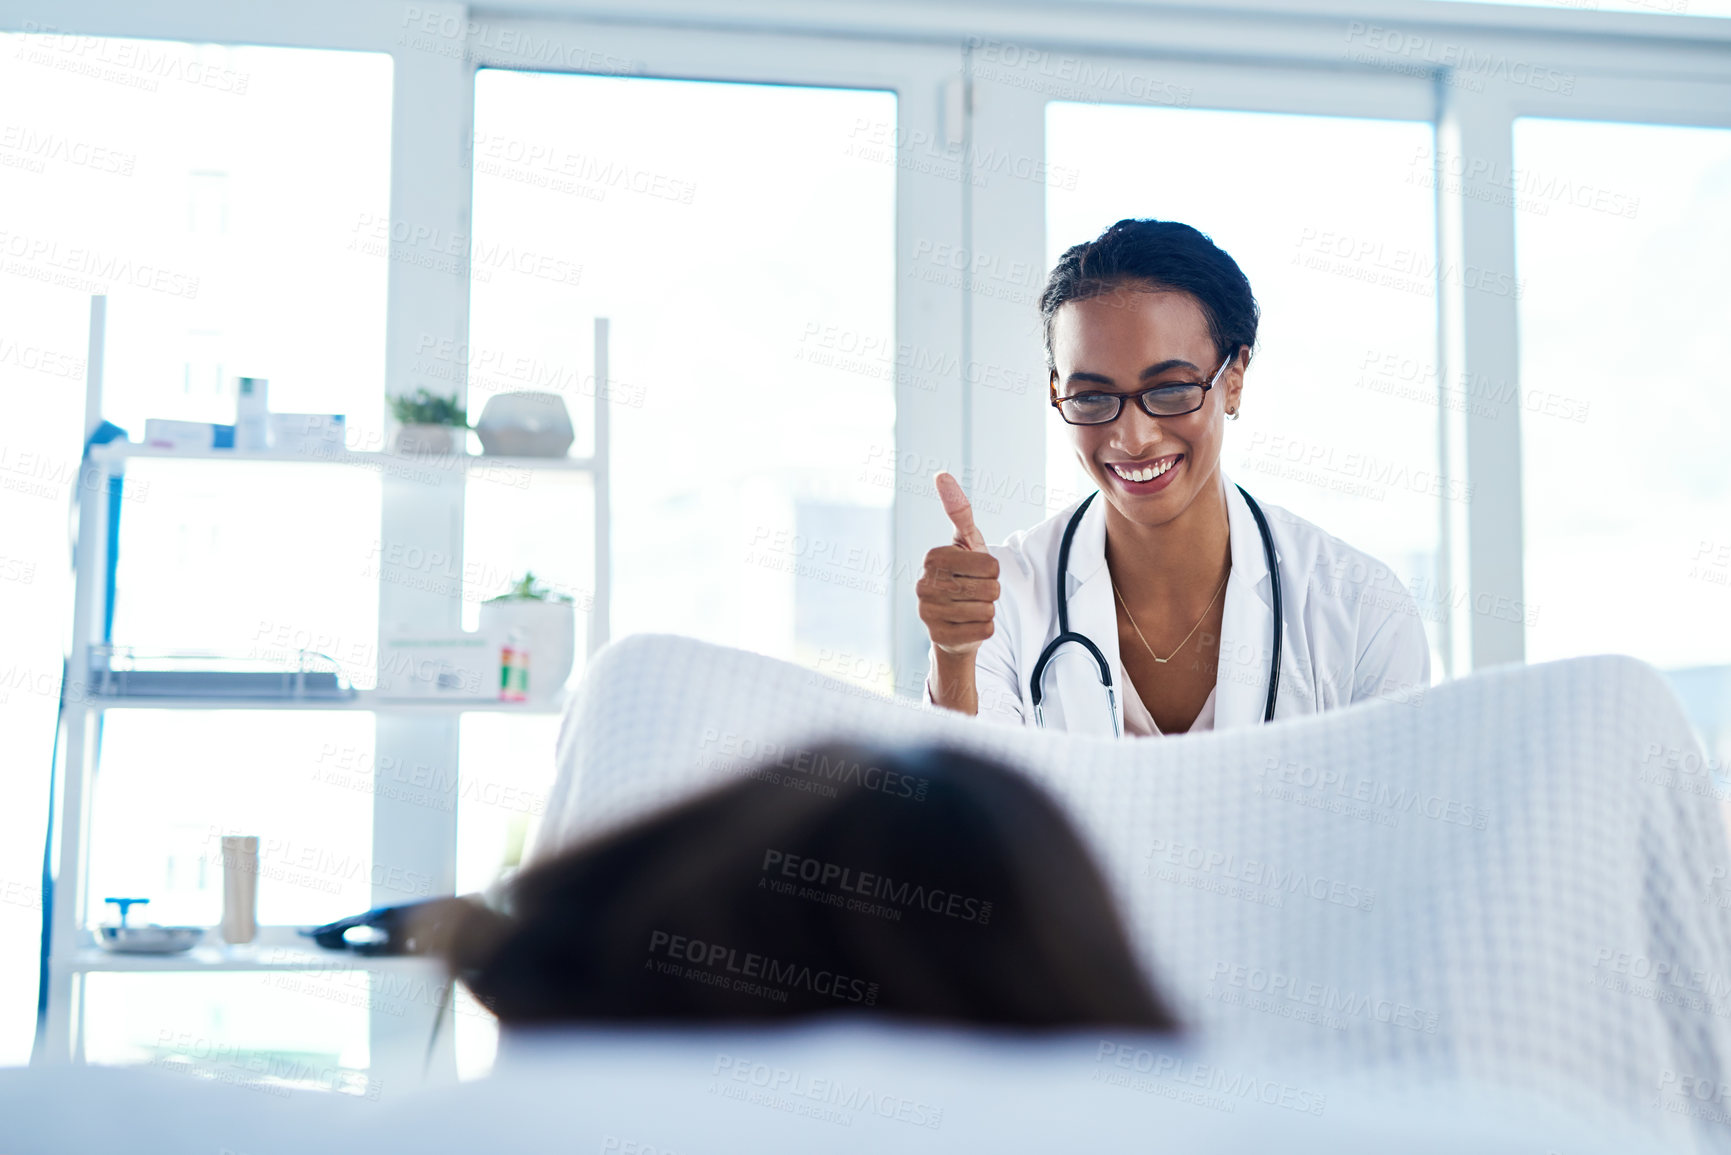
(117, 452)
(364, 700)
(277, 948)
(73, 951)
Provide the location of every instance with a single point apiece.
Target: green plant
(428, 408)
(528, 590)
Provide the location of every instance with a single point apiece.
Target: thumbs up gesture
(960, 513)
(958, 592)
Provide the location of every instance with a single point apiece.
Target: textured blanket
(1519, 879)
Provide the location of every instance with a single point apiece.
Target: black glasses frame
(1141, 397)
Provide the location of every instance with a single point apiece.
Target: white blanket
(841, 1088)
(1519, 880)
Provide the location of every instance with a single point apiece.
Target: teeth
(1147, 472)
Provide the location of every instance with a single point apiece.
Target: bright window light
(743, 247)
(221, 197)
(1627, 499)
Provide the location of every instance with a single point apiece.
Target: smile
(1148, 471)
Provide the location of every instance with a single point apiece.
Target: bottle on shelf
(252, 413)
(514, 669)
(239, 888)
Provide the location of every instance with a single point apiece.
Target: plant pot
(548, 630)
(525, 425)
(429, 439)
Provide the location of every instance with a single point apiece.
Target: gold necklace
(1187, 637)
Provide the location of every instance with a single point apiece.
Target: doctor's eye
(1090, 408)
(1173, 400)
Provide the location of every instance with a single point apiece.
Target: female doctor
(1167, 595)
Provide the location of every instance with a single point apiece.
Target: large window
(229, 201)
(1622, 232)
(224, 199)
(740, 238)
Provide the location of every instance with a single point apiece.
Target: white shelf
(114, 452)
(404, 832)
(216, 955)
(362, 701)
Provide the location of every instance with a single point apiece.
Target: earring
(1232, 415)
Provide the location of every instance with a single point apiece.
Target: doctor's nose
(1139, 436)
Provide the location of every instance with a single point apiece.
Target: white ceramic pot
(548, 630)
(525, 425)
(429, 439)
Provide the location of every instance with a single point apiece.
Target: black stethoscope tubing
(1065, 635)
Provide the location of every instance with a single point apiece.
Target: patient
(921, 884)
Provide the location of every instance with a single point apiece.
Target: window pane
(42, 342)
(219, 196)
(507, 777)
(538, 521)
(742, 245)
(194, 184)
(1333, 222)
(1624, 410)
(255, 558)
(270, 1032)
(173, 782)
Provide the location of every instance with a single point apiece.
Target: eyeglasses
(1172, 399)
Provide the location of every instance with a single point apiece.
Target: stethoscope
(1035, 691)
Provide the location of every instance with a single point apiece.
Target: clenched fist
(958, 592)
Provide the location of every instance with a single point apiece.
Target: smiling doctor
(1170, 600)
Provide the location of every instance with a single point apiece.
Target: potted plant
(532, 617)
(429, 422)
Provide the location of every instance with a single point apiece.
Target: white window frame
(926, 79)
(1482, 330)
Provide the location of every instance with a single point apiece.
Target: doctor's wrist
(952, 683)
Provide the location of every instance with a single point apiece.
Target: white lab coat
(1352, 629)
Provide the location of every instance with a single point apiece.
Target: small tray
(122, 672)
(148, 939)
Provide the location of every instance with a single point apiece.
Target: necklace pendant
(1162, 661)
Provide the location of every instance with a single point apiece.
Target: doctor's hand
(959, 590)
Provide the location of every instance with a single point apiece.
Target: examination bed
(1491, 919)
(1519, 877)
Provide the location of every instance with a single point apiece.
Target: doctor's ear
(1235, 383)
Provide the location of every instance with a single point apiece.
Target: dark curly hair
(919, 883)
(1164, 255)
